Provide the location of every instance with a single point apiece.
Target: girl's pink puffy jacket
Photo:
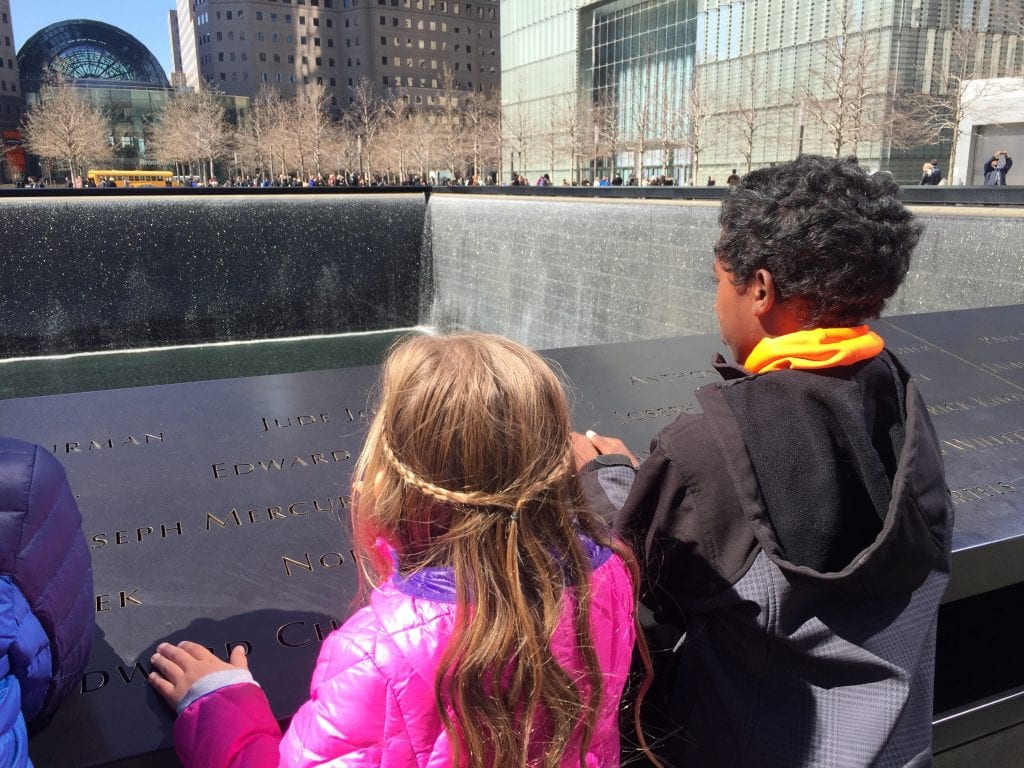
(372, 694)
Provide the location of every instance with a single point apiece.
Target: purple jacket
(46, 613)
(372, 694)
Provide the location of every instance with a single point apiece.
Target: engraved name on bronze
(237, 518)
(107, 443)
(1002, 440)
(125, 598)
(267, 423)
(980, 492)
(296, 634)
(913, 349)
(1005, 338)
(1013, 365)
(310, 563)
(136, 674)
(223, 469)
(360, 414)
(660, 378)
(662, 412)
(973, 403)
(138, 535)
(291, 634)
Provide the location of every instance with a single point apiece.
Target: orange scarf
(817, 348)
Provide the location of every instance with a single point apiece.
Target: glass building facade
(762, 80)
(636, 69)
(115, 72)
(539, 83)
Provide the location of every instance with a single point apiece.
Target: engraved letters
(223, 469)
(976, 402)
(291, 635)
(235, 517)
(662, 377)
(328, 560)
(980, 492)
(106, 443)
(268, 424)
(163, 531)
(125, 599)
(665, 412)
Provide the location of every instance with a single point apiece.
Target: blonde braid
(560, 470)
(503, 499)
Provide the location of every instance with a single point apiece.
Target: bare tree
(518, 127)
(669, 122)
(65, 128)
(395, 131)
(423, 133)
(607, 120)
(576, 123)
(192, 128)
(312, 127)
(697, 111)
(641, 112)
(345, 147)
(749, 112)
(450, 125)
(553, 137)
(366, 116)
(847, 92)
(482, 114)
(14, 169)
(256, 136)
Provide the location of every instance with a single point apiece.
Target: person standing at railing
(795, 536)
(996, 168)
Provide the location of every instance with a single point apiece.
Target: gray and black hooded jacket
(798, 532)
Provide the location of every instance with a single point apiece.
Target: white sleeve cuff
(213, 682)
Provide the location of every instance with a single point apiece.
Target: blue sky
(144, 19)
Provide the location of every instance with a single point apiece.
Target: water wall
(92, 272)
(555, 273)
(96, 272)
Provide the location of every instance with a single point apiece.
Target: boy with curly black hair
(797, 532)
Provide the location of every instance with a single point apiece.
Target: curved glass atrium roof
(88, 50)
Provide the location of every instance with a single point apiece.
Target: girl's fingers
(165, 666)
(195, 650)
(162, 686)
(239, 658)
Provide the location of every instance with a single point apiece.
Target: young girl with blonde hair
(501, 616)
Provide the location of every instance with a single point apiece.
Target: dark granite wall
(90, 273)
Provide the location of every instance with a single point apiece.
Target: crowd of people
(993, 172)
(539, 597)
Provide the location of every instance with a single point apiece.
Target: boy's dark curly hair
(828, 232)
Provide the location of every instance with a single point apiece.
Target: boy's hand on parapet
(591, 445)
(176, 668)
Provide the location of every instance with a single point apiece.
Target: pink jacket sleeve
(345, 718)
(229, 728)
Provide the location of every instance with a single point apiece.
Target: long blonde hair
(468, 464)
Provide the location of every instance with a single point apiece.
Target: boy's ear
(763, 287)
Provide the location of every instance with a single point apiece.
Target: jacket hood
(839, 472)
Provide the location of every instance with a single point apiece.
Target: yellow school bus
(102, 178)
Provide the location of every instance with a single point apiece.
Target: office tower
(238, 46)
(12, 102)
(694, 88)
